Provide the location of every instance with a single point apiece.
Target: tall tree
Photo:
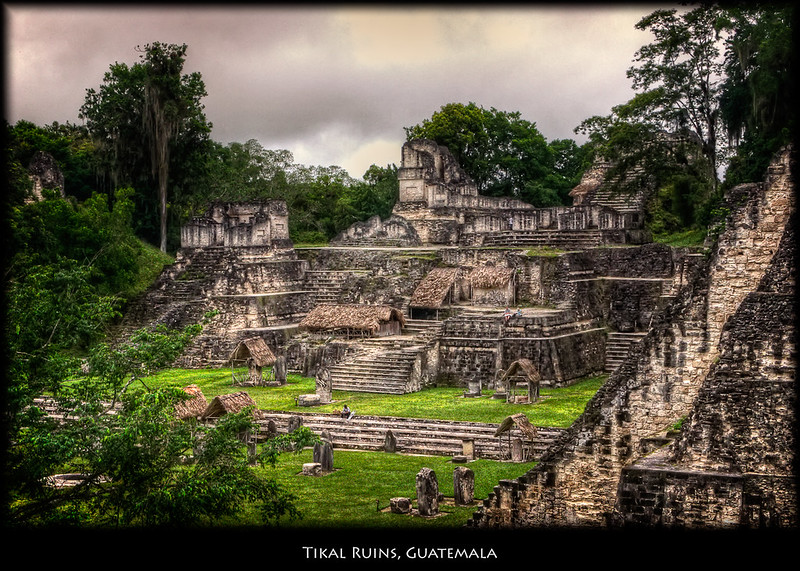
(151, 101)
(757, 102)
(681, 73)
(504, 154)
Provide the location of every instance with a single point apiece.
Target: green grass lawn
(357, 493)
(556, 407)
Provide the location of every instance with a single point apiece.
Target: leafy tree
(154, 102)
(504, 154)
(70, 146)
(757, 103)
(680, 73)
(139, 464)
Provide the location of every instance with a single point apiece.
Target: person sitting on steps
(347, 413)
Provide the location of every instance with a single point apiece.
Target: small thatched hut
(521, 382)
(520, 421)
(354, 320)
(524, 447)
(255, 355)
(193, 407)
(490, 285)
(226, 404)
(437, 289)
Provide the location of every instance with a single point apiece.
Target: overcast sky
(336, 84)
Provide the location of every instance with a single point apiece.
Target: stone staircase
(379, 365)
(560, 239)
(413, 436)
(328, 284)
(618, 347)
(619, 201)
(424, 330)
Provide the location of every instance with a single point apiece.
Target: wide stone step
(413, 436)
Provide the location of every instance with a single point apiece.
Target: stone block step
(414, 436)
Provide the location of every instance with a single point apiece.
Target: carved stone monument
(323, 455)
(279, 368)
(427, 493)
(295, 422)
(390, 442)
(463, 486)
(324, 388)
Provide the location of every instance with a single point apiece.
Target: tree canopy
(146, 116)
(503, 153)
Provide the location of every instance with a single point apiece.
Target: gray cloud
(334, 85)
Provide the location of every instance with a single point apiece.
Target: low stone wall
(690, 499)
(474, 349)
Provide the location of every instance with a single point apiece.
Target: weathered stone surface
(427, 492)
(323, 454)
(312, 469)
(717, 357)
(463, 486)
(400, 505)
(309, 400)
(390, 442)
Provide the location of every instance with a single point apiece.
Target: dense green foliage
(504, 154)
(711, 71)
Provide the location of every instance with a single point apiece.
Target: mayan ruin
(694, 427)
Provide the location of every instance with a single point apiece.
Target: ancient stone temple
(439, 204)
(45, 173)
(696, 428)
(236, 260)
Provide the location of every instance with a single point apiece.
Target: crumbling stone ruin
(696, 428)
(694, 425)
(439, 204)
(45, 173)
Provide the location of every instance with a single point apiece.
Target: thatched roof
(490, 277)
(520, 421)
(432, 290)
(328, 317)
(256, 348)
(193, 407)
(525, 367)
(230, 403)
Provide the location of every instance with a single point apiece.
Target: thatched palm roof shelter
(491, 285)
(193, 407)
(350, 318)
(490, 277)
(520, 421)
(432, 292)
(255, 354)
(254, 348)
(226, 404)
(522, 372)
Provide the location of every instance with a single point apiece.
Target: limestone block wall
(577, 480)
(733, 463)
(475, 349)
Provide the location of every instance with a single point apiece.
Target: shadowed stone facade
(721, 357)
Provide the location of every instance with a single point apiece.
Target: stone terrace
(414, 436)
